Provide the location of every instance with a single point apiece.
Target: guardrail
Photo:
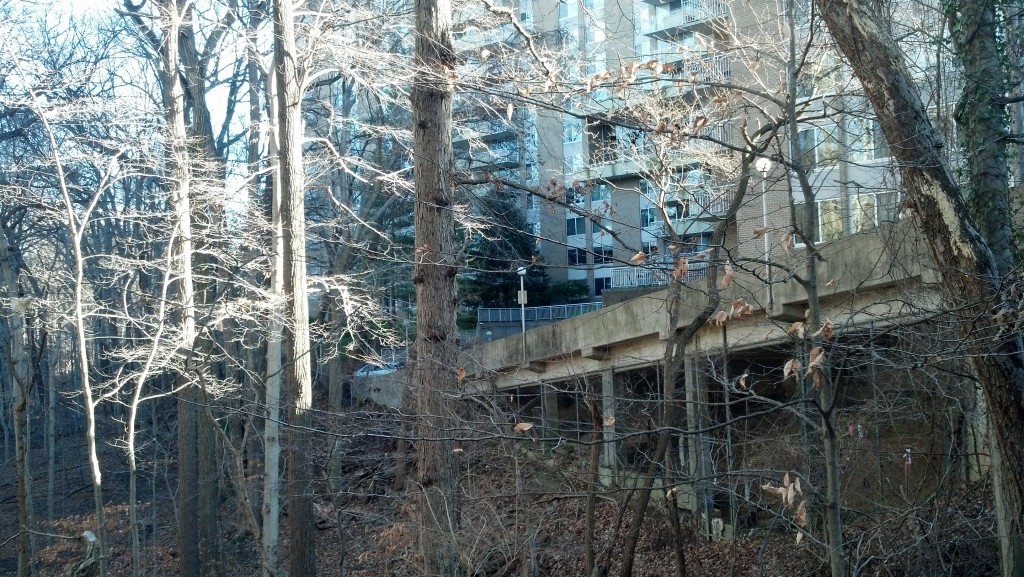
(535, 314)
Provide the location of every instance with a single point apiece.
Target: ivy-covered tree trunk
(975, 260)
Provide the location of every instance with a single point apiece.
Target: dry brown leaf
(682, 268)
(826, 332)
(638, 257)
(457, 450)
(773, 490)
(743, 381)
(718, 319)
(807, 314)
(461, 374)
(523, 427)
(816, 356)
(609, 421)
(485, 54)
(796, 330)
(796, 483)
(818, 378)
(760, 231)
(801, 515)
(727, 277)
(799, 537)
(792, 366)
(787, 242)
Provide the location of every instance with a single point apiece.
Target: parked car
(376, 370)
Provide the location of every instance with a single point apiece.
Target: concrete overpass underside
(737, 424)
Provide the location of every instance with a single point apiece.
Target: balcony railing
(691, 70)
(655, 275)
(691, 14)
(535, 314)
(705, 204)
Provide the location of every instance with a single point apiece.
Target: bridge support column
(610, 450)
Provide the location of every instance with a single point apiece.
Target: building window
(648, 217)
(600, 284)
(572, 130)
(817, 147)
(603, 254)
(573, 196)
(574, 226)
(676, 210)
(650, 247)
(532, 202)
(830, 220)
(867, 141)
(603, 141)
(695, 244)
(869, 210)
(533, 229)
(600, 193)
(604, 225)
(577, 256)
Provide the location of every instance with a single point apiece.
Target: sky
(83, 6)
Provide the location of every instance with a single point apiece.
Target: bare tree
(969, 242)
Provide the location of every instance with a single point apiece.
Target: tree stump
(89, 564)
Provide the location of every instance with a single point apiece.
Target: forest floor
(523, 512)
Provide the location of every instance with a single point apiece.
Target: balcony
(692, 70)
(482, 158)
(691, 14)
(655, 274)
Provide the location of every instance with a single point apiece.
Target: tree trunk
(20, 372)
(275, 333)
(271, 507)
(298, 374)
(971, 271)
(53, 360)
(188, 414)
(434, 374)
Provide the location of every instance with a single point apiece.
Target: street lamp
(522, 305)
(764, 166)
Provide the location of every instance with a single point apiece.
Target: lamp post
(764, 166)
(522, 305)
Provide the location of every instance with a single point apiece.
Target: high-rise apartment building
(643, 151)
(630, 190)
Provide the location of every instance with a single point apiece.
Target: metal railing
(707, 203)
(535, 314)
(691, 13)
(659, 275)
